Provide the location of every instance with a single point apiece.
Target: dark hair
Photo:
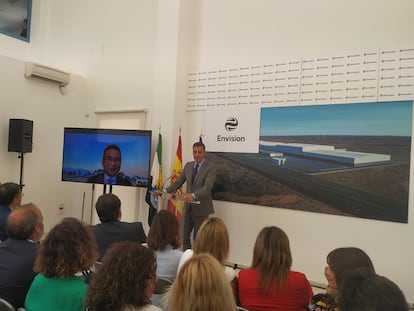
(22, 226)
(8, 192)
(272, 257)
(107, 207)
(363, 290)
(111, 147)
(68, 248)
(343, 259)
(199, 144)
(164, 231)
(122, 278)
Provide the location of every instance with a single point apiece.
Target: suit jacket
(16, 269)
(99, 179)
(107, 233)
(201, 188)
(4, 213)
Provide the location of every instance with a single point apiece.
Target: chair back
(6, 306)
(162, 286)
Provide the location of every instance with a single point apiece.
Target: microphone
(162, 186)
(161, 193)
(165, 181)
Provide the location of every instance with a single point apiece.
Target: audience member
(212, 238)
(68, 249)
(125, 279)
(18, 253)
(10, 198)
(363, 290)
(339, 261)
(270, 284)
(164, 239)
(111, 229)
(200, 285)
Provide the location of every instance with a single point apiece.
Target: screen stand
(104, 188)
(93, 191)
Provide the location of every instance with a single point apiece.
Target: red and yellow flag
(174, 205)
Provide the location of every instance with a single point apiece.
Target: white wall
(112, 47)
(111, 44)
(50, 111)
(234, 32)
(137, 53)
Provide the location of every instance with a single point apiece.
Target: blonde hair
(213, 238)
(200, 285)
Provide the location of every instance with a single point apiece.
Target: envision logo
(231, 124)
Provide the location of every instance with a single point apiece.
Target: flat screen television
(107, 156)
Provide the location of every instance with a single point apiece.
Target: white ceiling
(12, 14)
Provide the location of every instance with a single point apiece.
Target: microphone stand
(21, 156)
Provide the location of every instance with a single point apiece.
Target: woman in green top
(68, 249)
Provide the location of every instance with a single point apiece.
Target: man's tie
(110, 181)
(195, 170)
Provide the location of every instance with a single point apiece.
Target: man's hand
(186, 197)
(156, 193)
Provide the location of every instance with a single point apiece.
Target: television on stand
(107, 156)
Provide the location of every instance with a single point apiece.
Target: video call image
(103, 156)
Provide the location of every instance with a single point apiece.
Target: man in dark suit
(18, 253)
(111, 229)
(10, 198)
(200, 175)
(111, 162)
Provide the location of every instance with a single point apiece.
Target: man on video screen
(111, 162)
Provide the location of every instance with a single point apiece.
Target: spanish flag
(174, 205)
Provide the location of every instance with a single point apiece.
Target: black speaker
(20, 135)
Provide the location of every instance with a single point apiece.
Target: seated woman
(164, 239)
(270, 284)
(363, 290)
(200, 285)
(125, 279)
(212, 238)
(339, 261)
(68, 249)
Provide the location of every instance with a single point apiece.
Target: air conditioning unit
(37, 71)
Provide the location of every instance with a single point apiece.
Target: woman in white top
(164, 239)
(212, 238)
